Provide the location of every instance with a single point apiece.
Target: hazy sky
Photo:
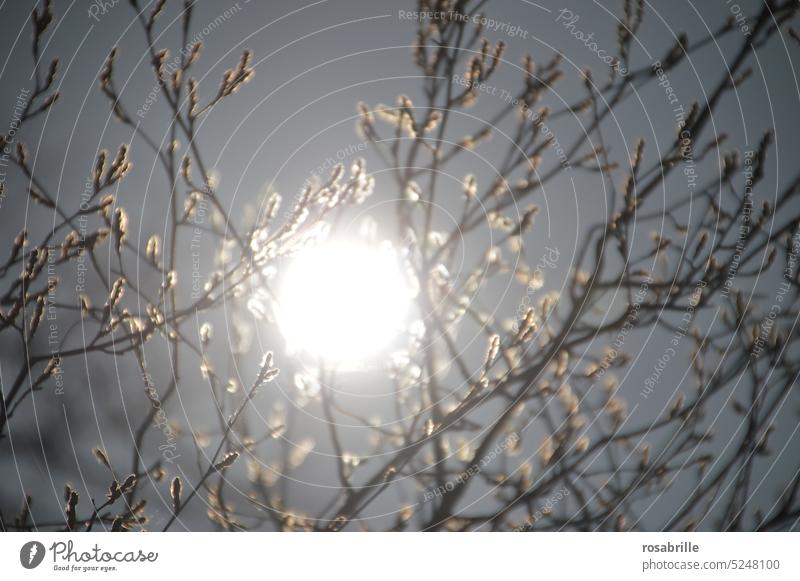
(313, 63)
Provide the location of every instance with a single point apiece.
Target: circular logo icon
(31, 554)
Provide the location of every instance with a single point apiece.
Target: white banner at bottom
(389, 556)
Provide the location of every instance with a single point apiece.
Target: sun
(343, 302)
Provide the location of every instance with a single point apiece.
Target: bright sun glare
(343, 301)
